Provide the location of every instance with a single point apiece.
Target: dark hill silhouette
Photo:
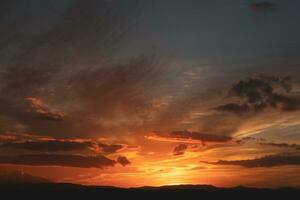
(20, 184)
(58, 190)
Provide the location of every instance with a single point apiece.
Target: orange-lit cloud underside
(153, 163)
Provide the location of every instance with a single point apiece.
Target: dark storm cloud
(281, 145)
(123, 161)
(267, 161)
(180, 149)
(260, 93)
(59, 160)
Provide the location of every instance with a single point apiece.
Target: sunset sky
(151, 92)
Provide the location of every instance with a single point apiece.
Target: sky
(135, 92)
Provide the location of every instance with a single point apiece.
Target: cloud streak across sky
(266, 161)
(59, 160)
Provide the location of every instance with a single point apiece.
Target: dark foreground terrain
(58, 190)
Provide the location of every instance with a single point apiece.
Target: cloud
(59, 160)
(39, 107)
(284, 82)
(200, 136)
(77, 103)
(189, 137)
(180, 149)
(266, 161)
(59, 67)
(123, 161)
(21, 137)
(49, 146)
(7, 138)
(249, 138)
(110, 148)
(257, 94)
(281, 145)
(233, 108)
(285, 103)
(204, 137)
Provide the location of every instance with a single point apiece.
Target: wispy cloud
(281, 145)
(189, 137)
(267, 161)
(43, 111)
(59, 160)
(50, 144)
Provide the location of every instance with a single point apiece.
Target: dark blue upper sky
(191, 29)
(219, 28)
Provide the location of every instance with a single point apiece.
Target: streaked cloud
(49, 144)
(39, 107)
(281, 145)
(189, 137)
(266, 161)
(59, 160)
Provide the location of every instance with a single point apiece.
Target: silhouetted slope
(53, 190)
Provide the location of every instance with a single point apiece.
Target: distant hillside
(20, 184)
(58, 190)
